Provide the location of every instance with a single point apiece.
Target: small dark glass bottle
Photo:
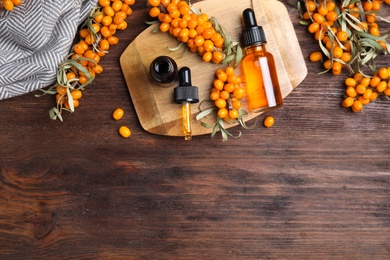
(164, 71)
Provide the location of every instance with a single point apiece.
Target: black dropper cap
(185, 92)
(253, 34)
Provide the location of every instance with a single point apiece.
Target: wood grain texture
(154, 105)
(315, 186)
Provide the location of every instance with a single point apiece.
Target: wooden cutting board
(154, 105)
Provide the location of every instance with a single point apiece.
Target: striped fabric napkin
(34, 38)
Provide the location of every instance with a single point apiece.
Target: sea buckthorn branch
(347, 33)
(79, 69)
(226, 94)
(191, 27)
(349, 36)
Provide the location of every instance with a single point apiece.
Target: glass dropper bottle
(186, 94)
(258, 67)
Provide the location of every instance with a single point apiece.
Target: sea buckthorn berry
(207, 56)
(387, 92)
(153, 2)
(351, 92)
(366, 81)
(318, 18)
(222, 112)
(118, 113)
(336, 68)
(350, 82)
(269, 121)
(124, 131)
(342, 36)
(239, 93)
(346, 57)
(331, 16)
(233, 113)
(76, 94)
(229, 87)
(310, 6)
(322, 10)
(224, 94)
(357, 106)
(358, 77)
(381, 86)
(236, 104)
(375, 81)
(360, 89)
(315, 56)
(367, 94)
(220, 103)
(374, 96)
(313, 27)
(337, 52)
(363, 100)
(214, 95)
(347, 102)
(383, 73)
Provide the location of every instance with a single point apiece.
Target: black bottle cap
(185, 92)
(163, 70)
(253, 34)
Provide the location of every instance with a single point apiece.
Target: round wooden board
(157, 112)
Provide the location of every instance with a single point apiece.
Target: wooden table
(315, 186)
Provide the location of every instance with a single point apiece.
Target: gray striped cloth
(34, 38)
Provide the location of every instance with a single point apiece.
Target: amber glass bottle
(258, 68)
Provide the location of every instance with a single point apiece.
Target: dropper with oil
(186, 94)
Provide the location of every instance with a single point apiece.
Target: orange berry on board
(214, 95)
(207, 56)
(220, 103)
(269, 121)
(224, 94)
(236, 104)
(229, 87)
(233, 113)
(239, 93)
(222, 112)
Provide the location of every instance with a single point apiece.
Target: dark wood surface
(315, 186)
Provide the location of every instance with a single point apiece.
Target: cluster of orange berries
(361, 90)
(196, 30)
(227, 93)
(325, 19)
(96, 37)
(9, 5)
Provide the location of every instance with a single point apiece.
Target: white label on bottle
(268, 86)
